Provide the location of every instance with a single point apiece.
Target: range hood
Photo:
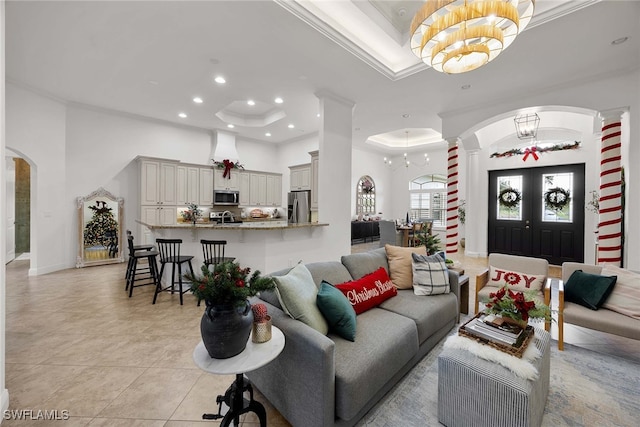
(223, 147)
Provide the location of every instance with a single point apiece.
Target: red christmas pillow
(369, 291)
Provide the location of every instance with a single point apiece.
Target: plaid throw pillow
(430, 275)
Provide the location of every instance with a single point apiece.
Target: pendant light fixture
(456, 36)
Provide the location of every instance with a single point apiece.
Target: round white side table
(253, 357)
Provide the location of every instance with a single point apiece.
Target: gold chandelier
(456, 36)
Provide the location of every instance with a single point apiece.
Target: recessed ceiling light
(197, 100)
(267, 134)
(619, 41)
(278, 100)
(182, 115)
(230, 126)
(318, 115)
(291, 126)
(220, 80)
(465, 87)
(251, 102)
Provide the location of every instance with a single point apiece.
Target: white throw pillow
(297, 294)
(430, 275)
(516, 281)
(625, 297)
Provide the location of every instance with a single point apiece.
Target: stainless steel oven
(226, 198)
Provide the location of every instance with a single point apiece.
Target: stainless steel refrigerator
(298, 206)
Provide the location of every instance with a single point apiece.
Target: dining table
(405, 228)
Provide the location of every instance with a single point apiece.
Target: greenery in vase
(192, 213)
(228, 284)
(519, 306)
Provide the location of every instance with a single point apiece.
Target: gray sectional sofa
(323, 380)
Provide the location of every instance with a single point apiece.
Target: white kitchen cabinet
(300, 177)
(274, 190)
(315, 160)
(187, 185)
(257, 189)
(157, 182)
(230, 182)
(245, 189)
(205, 186)
(158, 190)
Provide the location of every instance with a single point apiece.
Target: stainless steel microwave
(226, 198)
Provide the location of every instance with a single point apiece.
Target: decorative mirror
(99, 229)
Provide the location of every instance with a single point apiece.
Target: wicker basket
(512, 350)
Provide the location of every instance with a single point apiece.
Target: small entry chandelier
(456, 36)
(527, 125)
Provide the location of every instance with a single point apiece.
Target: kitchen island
(267, 245)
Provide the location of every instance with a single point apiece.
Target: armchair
(521, 264)
(604, 319)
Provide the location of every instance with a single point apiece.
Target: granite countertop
(249, 225)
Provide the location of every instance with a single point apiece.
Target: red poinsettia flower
(515, 305)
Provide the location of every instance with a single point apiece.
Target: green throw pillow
(297, 292)
(589, 290)
(338, 311)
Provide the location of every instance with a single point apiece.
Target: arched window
(428, 195)
(366, 196)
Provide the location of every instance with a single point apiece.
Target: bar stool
(130, 263)
(213, 251)
(170, 254)
(133, 269)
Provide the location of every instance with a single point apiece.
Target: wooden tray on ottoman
(513, 350)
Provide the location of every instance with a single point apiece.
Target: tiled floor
(76, 342)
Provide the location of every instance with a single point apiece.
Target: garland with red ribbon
(534, 151)
(530, 151)
(227, 165)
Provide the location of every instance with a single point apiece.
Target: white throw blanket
(522, 368)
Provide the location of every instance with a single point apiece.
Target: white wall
(370, 163)
(35, 129)
(401, 175)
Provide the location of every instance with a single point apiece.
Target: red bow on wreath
(531, 151)
(228, 165)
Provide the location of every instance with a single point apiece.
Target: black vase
(225, 329)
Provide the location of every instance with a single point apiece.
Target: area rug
(586, 389)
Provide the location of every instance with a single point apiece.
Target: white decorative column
(610, 210)
(335, 189)
(452, 197)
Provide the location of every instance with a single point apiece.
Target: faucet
(225, 213)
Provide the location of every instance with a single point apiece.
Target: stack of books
(489, 328)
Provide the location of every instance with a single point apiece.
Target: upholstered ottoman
(476, 392)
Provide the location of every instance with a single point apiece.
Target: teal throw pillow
(589, 290)
(338, 311)
(297, 292)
